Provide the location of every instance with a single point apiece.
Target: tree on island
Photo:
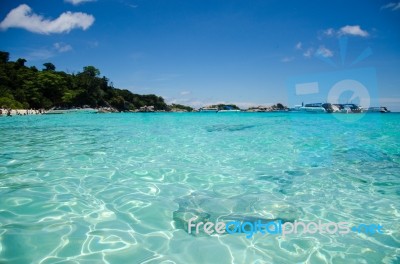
(4, 57)
(48, 66)
(279, 106)
(179, 107)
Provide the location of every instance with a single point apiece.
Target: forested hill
(29, 87)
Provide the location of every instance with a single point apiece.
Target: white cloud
(39, 54)
(324, 52)
(287, 59)
(62, 47)
(329, 32)
(185, 92)
(353, 31)
(23, 17)
(93, 44)
(45, 53)
(299, 46)
(392, 6)
(346, 30)
(77, 2)
(308, 53)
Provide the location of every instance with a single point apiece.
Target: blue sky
(203, 52)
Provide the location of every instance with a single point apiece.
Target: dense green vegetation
(28, 87)
(225, 107)
(181, 107)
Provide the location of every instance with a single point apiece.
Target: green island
(23, 87)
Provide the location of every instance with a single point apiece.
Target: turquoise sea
(119, 188)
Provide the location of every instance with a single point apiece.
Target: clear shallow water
(118, 188)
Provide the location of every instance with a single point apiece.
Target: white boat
(208, 109)
(229, 111)
(296, 108)
(351, 108)
(314, 108)
(335, 108)
(381, 109)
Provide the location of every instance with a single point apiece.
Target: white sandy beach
(15, 112)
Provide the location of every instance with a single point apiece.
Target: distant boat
(350, 108)
(208, 109)
(296, 108)
(381, 109)
(329, 108)
(314, 108)
(228, 111)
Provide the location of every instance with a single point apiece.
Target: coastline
(24, 112)
(16, 112)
